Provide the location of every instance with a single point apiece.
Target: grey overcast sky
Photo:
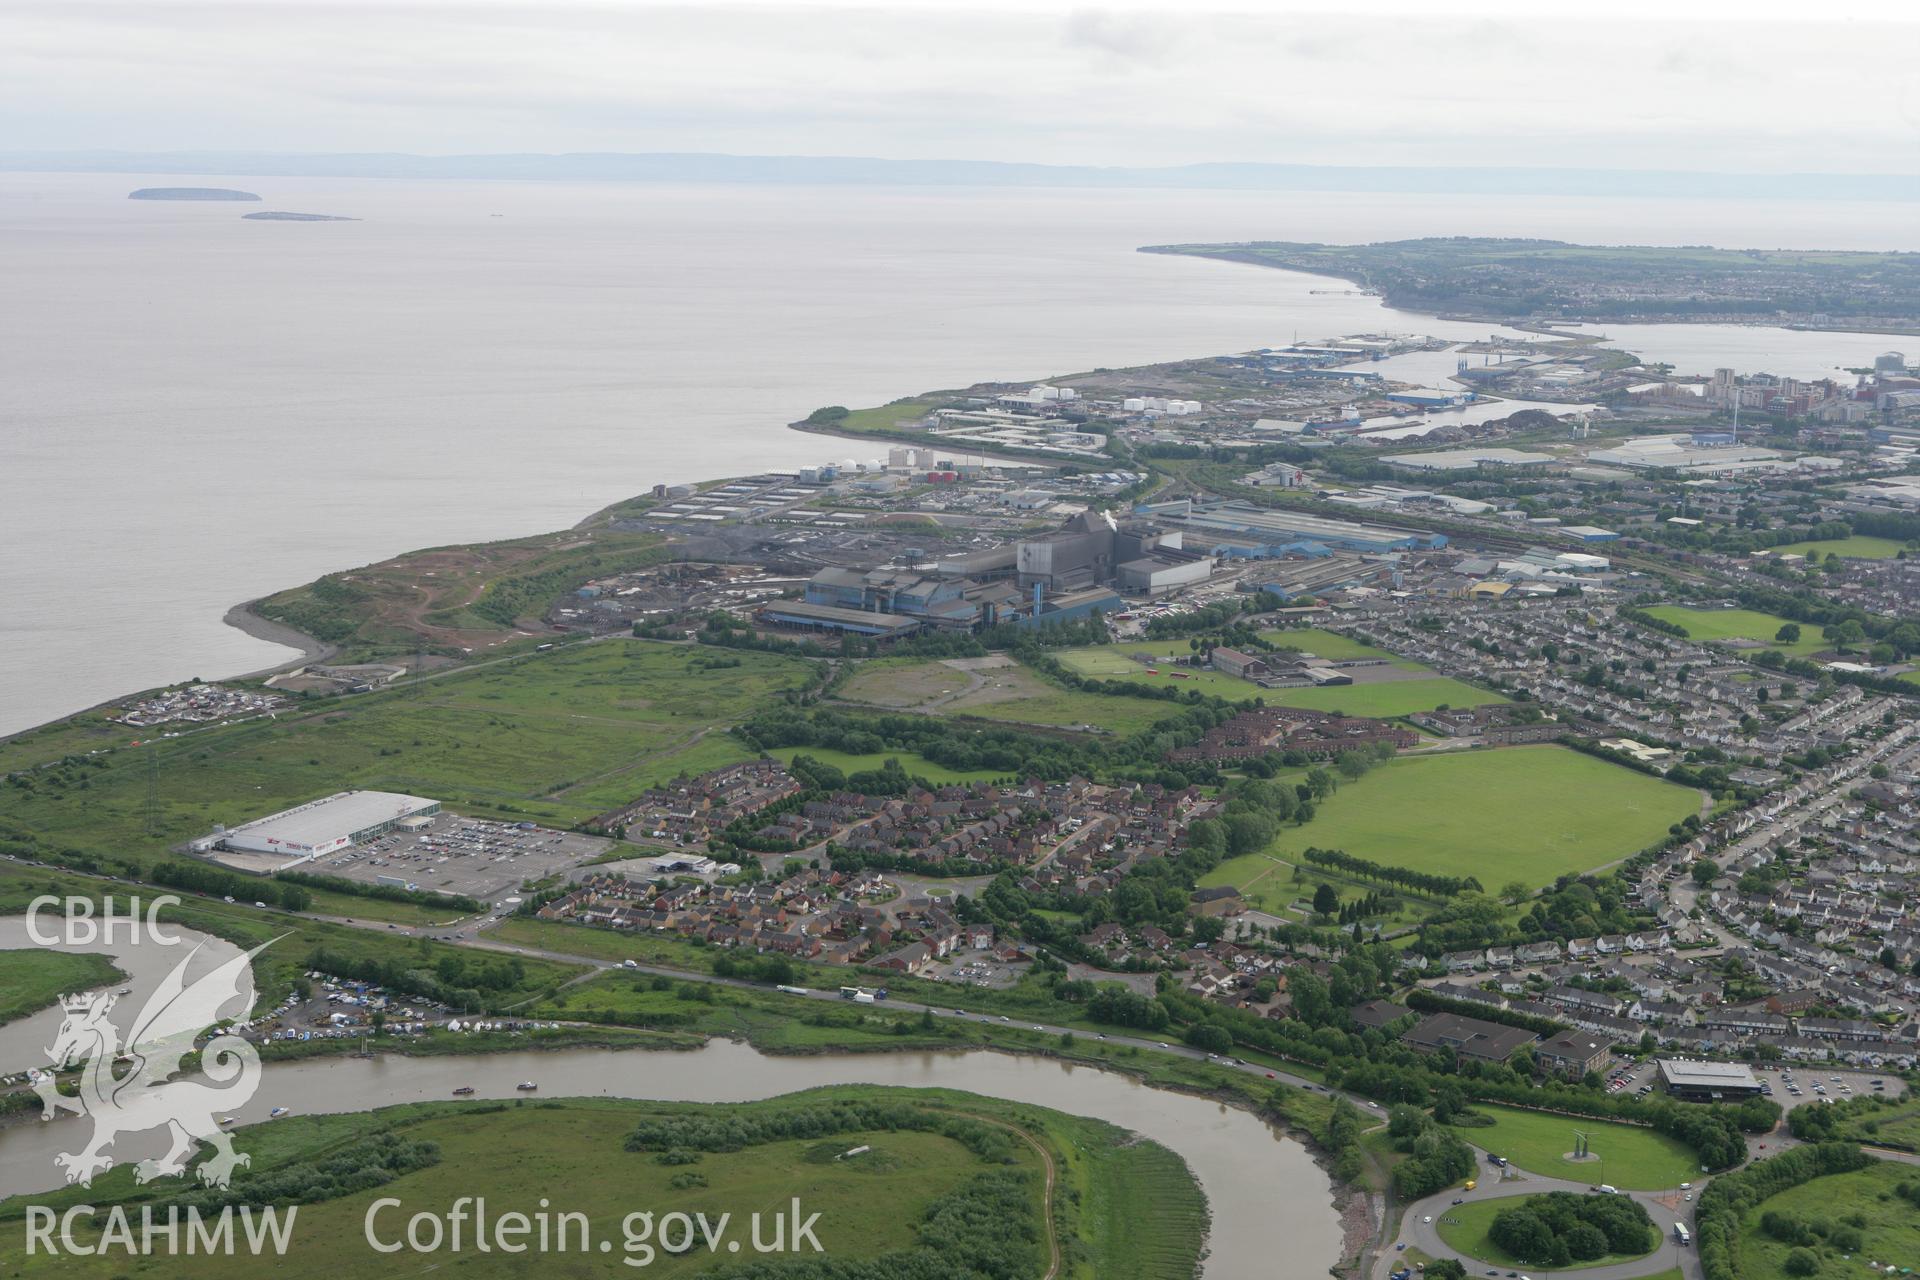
(1650, 85)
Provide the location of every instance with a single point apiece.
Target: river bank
(1255, 1179)
(1130, 1079)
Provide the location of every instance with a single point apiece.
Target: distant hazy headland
(1511, 280)
(190, 193)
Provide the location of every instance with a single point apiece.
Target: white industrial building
(1707, 1081)
(320, 827)
(1680, 453)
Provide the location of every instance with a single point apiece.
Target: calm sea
(196, 410)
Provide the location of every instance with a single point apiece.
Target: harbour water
(197, 410)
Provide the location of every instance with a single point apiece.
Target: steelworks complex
(1089, 565)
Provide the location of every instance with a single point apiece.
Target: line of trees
(1211, 617)
(1426, 882)
(454, 980)
(1642, 618)
(1423, 1000)
(198, 877)
(738, 1128)
(455, 902)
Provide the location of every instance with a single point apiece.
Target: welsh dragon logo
(126, 1087)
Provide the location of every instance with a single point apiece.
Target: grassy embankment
(624, 995)
(1520, 813)
(776, 1022)
(1121, 1207)
(30, 980)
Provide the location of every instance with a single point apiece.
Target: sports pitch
(1517, 813)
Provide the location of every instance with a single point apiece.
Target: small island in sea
(273, 215)
(190, 193)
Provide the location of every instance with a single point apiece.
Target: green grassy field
(1631, 1158)
(1123, 1208)
(33, 979)
(1520, 813)
(559, 736)
(1386, 700)
(1858, 547)
(1464, 1228)
(1740, 624)
(883, 417)
(918, 766)
(1891, 1236)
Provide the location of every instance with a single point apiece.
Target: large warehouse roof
(1687, 1074)
(321, 821)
